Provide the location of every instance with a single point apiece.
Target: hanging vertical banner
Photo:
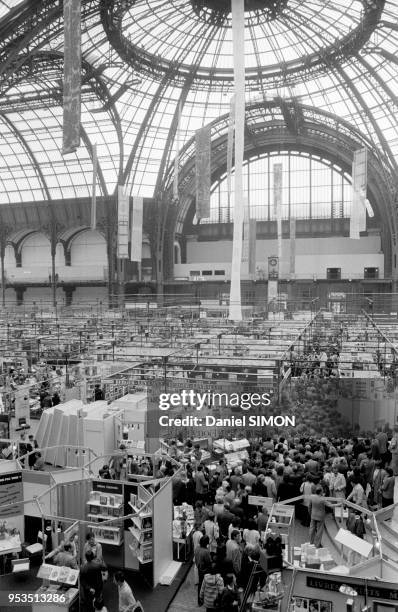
(203, 144)
(359, 186)
(230, 149)
(94, 190)
(292, 245)
(238, 40)
(354, 217)
(177, 153)
(136, 229)
(245, 238)
(122, 223)
(278, 206)
(273, 292)
(72, 76)
(252, 246)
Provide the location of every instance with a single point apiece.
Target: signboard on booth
(257, 500)
(11, 492)
(11, 496)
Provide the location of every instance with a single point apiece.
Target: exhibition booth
(131, 520)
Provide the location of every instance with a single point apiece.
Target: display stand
(55, 582)
(103, 507)
(142, 527)
(183, 525)
(281, 522)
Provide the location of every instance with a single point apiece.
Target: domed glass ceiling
(142, 58)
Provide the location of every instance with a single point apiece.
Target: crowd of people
(229, 533)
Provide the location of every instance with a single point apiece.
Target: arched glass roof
(144, 58)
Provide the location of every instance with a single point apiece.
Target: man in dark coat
(90, 581)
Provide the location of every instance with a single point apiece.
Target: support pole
(238, 39)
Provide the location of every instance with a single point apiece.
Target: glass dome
(143, 60)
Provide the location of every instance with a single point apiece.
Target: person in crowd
(32, 445)
(200, 513)
(98, 393)
(126, 597)
(270, 485)
(201, 483)
(224, 520)
(56, 398)
(357, 495)
(229, 496)
(105, 473)
(47, 400)
(248, 476)
(235, 479)
(221, 471)
(65, 557)
(317, 511)
(218, 507)
(94, 547)
(356, 525)
(262, 519)
(251, 535)
(376, 491)
(382, 444)
(337, 485)
(39, 463)
(212, 531)
(387, 488)
(236, 524)
(22, 447)
(198, 533)
(229, 600)
(234, 551)
(116, 466)
(307, 488)
(250, 557)
(90, 581)
(211, 589)
(393, 450)
(99, 606)
(203, 562)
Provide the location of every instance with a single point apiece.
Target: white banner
(278, 206)
(292, 245)
(122, 223)
(252, 246)
(72, 76)
(359, 186)
(272, 291)
(230, 149)
(245, 239)
(177, 155)
(203, 152)
(136, 229)
(238, 40)
(94, 190)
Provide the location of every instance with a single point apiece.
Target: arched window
(312, 188)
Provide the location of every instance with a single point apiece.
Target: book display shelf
(103, 507)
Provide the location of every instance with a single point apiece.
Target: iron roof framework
(142, 59)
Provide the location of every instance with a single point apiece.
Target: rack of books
(104, 507)
(142, 527)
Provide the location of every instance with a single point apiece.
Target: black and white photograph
(198, 305)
